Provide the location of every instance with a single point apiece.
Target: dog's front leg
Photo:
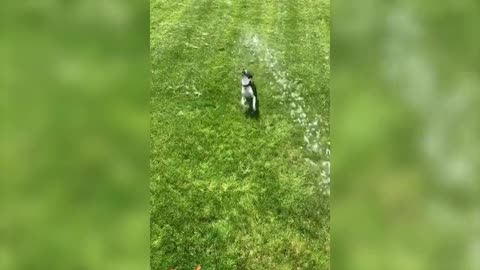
(254, 101)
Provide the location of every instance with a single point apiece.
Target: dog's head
(246, 78)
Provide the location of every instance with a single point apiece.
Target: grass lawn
(229, 192)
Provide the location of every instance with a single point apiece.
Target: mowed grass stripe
(172, 50)
(165, 16)
(191, 70)
(317, 43)
(188, 71)
(183, 133)
(170, 67)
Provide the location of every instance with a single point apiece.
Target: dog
(249, 99)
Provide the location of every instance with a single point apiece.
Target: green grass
(219, 198)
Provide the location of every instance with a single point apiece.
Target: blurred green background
(405, 129)
(74, 135)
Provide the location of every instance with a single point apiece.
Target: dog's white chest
(247, 91)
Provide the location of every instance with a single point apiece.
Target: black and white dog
(249, 94)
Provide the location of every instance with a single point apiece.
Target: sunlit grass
(228, 192)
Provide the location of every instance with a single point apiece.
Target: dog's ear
(247, 74)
